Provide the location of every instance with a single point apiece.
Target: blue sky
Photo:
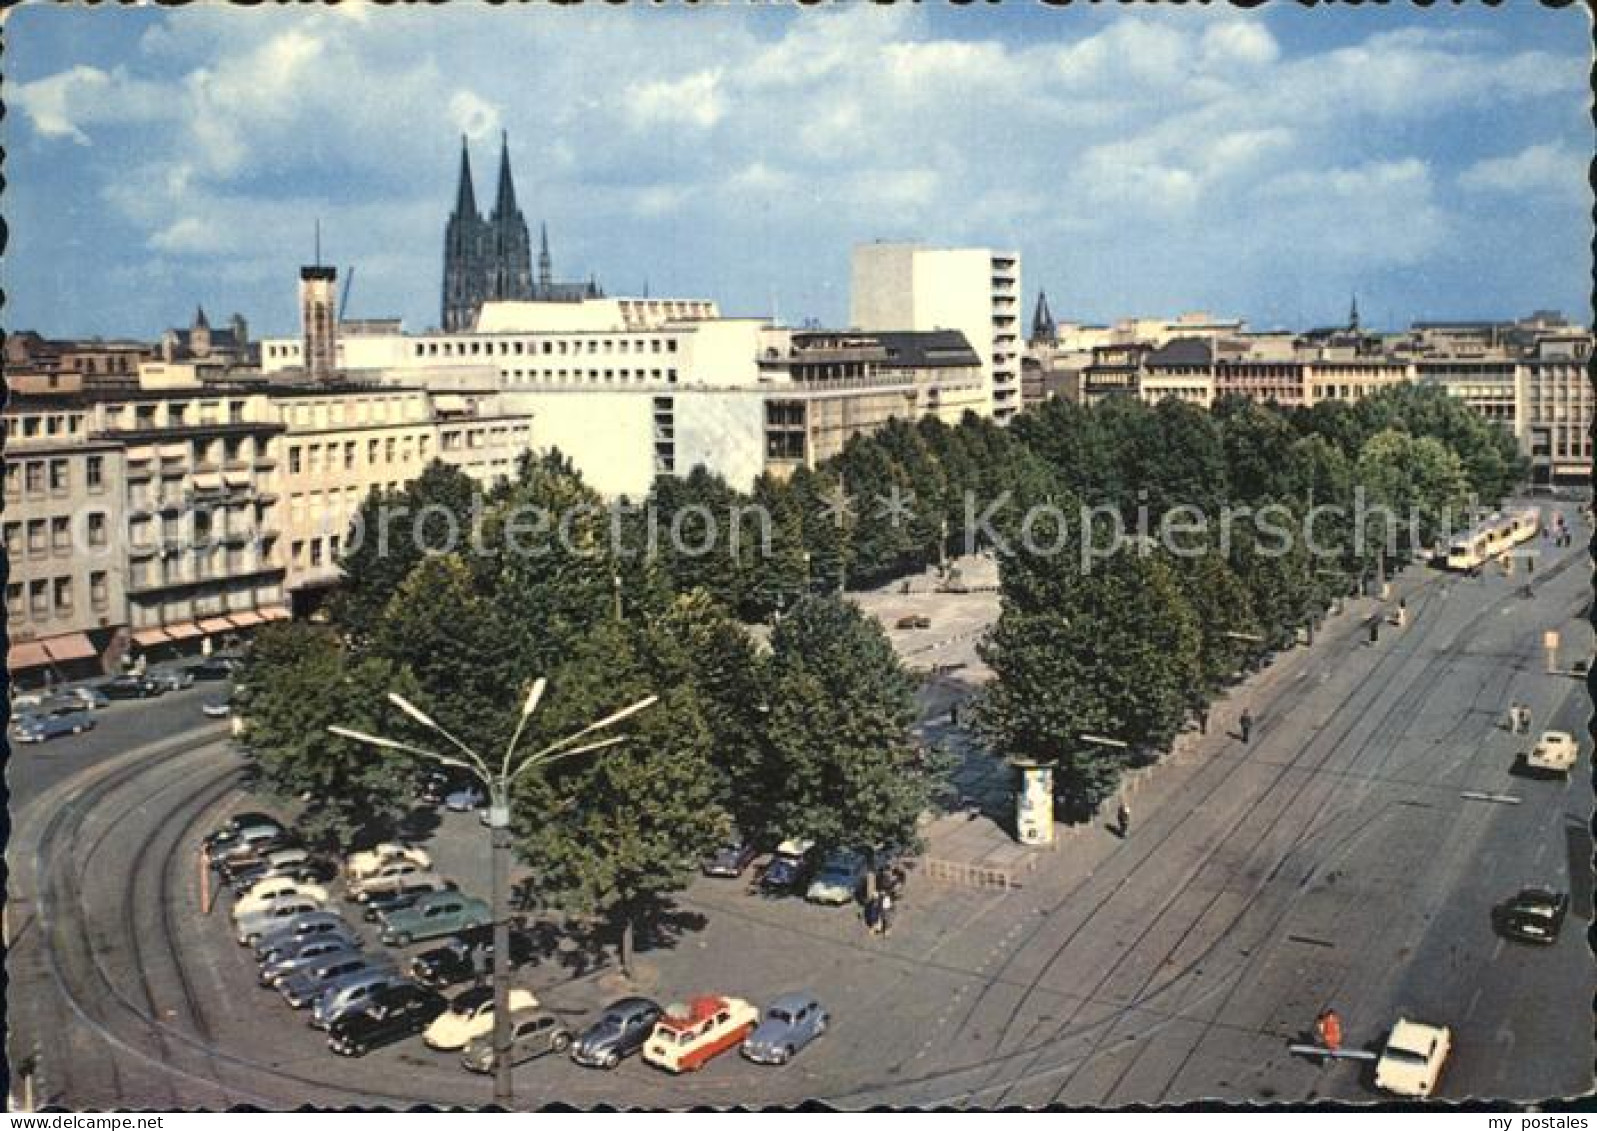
(1259, 164)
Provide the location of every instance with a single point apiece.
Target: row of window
(524, 376)
(217, 564)
(176, 414)
(44, 597)
(521, 347)
(38, 537)
(43, 425)
(309, 457)
(38, 477)
(323, 551)
(376, 409)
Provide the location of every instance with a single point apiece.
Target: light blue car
(786, 1026)
(42, 727)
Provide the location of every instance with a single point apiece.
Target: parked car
(274, 943)
(215, 668)
(1411, 1064)
(250, 849)
(1535, 915)
(305, 985)
(789, 867)
(619, 1032)
(250, 929)
(687, 1038)
(455, 961)
(789, 1023)
(353, 994)
(379, 905)
(1555, 753)
(297, 862)
(132, 687)
(532, 1035)
(237, 822)
(231, 838)
(304, 954)
(471, 1015)
(363, 864)
(390, 878)
(840, 879)
(29, 701)
(172, 679)
(441, 913)
(432, 785)
(276, 887)
(85, 698)
(464, 800)
(401, 1012)
(44, 727)
(217, 708)
(731, 860)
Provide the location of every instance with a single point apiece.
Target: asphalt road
(1333, 861)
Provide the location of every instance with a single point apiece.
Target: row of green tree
(804, 734)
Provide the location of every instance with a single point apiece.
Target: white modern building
(902, 286)
(631, 389)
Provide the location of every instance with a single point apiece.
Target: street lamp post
(498, 783)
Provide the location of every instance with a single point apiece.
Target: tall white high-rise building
(976, 290)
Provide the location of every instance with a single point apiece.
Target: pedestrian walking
(1123, 819)
(873, 914)
(1246, 725)
(1375, 631)
(1203, 721)
(885, 915)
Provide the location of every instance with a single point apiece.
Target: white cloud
(1163, 139)
(1546, 168)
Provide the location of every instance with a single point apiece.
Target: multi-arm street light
(498, 783)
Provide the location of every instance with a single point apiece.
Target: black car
(731, 859)
(217, 667)
(400, 1012)
(789, 869)
(381, 903)
(619, 1032)
(132, 687)
(458, 959)
(1535, 915)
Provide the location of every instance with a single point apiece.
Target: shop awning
(28, 654)
(278, 613)
(245, 620)
(215, 624)
(183, 631)
(150, 637)
(71, 646)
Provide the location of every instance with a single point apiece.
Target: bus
(1492, 538)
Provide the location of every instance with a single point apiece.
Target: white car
(1411, 1063)
(276, 887)
(1555, 753)
(471, 1015)
(387, 877)
(363, 864)
(248, 929)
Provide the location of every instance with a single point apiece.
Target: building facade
(66, 609)
(976, 291)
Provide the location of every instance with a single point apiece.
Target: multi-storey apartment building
(344, 440)
(897, 286)
(836, 385)
(201, 509)
(1182, 368)
(1556, 408)
(63, 522)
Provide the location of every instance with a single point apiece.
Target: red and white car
(688, 1037)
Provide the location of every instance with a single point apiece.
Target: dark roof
(1182, 351)
(926, 348)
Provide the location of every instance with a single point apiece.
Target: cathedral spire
(545, 264)
(505, 205)
(1353, 316)
(465, 197)
(199, 319)
(1043, 327)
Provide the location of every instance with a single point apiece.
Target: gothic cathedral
(491, 260)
